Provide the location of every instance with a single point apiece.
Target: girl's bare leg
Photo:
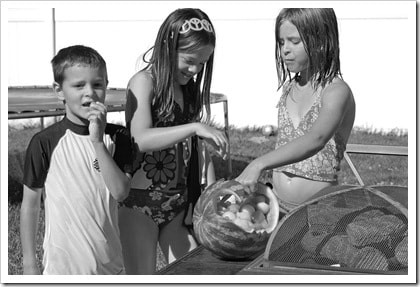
(175, 239)
(139, 235)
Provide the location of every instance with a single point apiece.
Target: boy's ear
(58, 90)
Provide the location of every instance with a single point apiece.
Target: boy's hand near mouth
(97, 119)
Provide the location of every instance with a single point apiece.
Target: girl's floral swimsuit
(159, 184)
(322, 166)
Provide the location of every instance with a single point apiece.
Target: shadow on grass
(15, 176)
(15, 191)
(222, 170)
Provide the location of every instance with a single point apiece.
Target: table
(200, 261)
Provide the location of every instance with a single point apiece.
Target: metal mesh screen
(360, 229)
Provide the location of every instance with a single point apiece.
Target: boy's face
(81, 86)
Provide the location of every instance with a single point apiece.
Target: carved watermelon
(229, 236)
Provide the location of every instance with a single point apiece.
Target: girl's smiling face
(292, 49)
(190, 64)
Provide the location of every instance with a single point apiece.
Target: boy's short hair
(76, 55)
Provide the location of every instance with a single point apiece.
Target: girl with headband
(168, 106)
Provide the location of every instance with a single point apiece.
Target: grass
(374, 169)
(385, 170)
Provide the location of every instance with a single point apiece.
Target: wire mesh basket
(355, 229)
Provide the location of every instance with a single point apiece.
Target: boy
(71, 164)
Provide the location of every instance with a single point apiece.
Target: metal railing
(373, 150)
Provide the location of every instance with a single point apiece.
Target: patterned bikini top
(324, 165)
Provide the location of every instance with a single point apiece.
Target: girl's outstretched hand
(249, 176)
(215, 137)
(97, 119)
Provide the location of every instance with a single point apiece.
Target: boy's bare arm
(29, 215)
(117, 181)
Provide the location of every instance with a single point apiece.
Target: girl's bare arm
(336, 100)
(149, 138)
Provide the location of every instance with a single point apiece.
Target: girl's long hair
(164, 59)
(318, 30)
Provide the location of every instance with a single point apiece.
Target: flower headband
(196, 25)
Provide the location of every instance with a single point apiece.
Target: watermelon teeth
(230, 223)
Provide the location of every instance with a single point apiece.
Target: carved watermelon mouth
(229, 222)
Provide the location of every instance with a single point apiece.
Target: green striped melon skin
(221, 236)
(227, 241)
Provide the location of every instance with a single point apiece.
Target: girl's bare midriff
(295, 189)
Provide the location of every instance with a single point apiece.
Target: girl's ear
(58, 90)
